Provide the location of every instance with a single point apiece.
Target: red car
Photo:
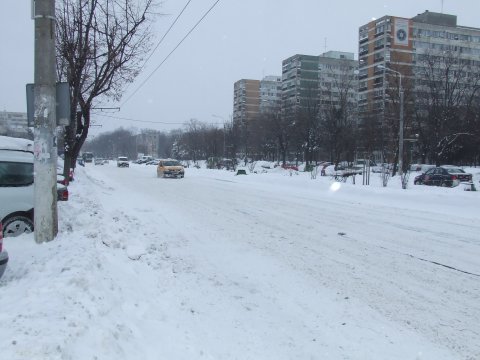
(3, 254)
(289, 166)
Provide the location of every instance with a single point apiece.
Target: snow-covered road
(264, 266)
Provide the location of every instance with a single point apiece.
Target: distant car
(290, 166)
(332, 170)
(3, 254)
(122, 161)
(170, 168)
(152, 162)
(229, 164)
(380, 169)
(145, 158)
(322, 166)
(99, 161)
(443, 176)
(360, 163)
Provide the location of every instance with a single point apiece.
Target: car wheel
(17, 225)
(443, 184)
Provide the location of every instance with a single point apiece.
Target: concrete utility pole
(401, 122)
(45, 148)
(400, 131)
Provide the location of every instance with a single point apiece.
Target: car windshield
(455, 171)
(122, 159)
(16, 174)
(171, 163)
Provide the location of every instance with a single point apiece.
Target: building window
(379, 30)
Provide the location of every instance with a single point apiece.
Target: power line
(171, 52)
(165, 35)
(138, 120)
(147, 121)
(161, 40)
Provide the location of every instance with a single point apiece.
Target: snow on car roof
(11, 143)
(16, 155)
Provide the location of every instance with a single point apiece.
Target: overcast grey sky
(238, 39)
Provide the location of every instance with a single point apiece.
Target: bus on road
(87, 157)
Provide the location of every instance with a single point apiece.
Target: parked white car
(16, 186)
(16, 191)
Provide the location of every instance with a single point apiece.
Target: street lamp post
(224, 129)
(400, 132)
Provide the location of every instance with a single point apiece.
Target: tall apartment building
(253, 97)
(399, 43)
(147, 142)
(14, 124)
(299, 83)
(309, 81)
(270, 93)
(246, 100)
(337, 78)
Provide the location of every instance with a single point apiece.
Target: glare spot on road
(335, 186)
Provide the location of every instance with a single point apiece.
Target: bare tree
(280, 125)
(193, 138)
(447, 93)
(338, 114)
(305, 120)
(263, 144)
(100, 47)
(112, 144)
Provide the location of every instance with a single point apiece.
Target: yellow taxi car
(170, 168)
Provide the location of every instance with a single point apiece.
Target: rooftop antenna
(325, 44)
(442, 6)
